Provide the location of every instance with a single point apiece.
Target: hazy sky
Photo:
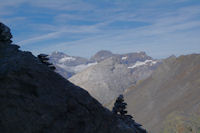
(82, 27)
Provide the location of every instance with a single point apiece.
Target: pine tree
(120, 106)
(44, 59)
(119, 109)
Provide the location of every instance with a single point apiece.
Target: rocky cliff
(35, 99)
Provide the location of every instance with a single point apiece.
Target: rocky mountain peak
(101, 55)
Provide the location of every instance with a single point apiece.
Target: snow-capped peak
(64, 59)
(140, 63)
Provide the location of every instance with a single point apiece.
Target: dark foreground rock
(35, 99)
(5, 34)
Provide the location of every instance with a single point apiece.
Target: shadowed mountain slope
(35, 99)
(174, 86)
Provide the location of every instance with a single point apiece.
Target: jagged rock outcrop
(5, 34)
(34, 99)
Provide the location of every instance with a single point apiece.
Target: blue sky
(83, 27)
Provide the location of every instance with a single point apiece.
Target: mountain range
(105, 75)
(161, 94)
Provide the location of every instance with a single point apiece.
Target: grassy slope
(179, 122)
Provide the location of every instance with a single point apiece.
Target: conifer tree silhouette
(119, 109)
(120, 106)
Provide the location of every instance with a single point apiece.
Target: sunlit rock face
(113, 75)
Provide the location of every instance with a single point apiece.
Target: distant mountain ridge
(113, 75)
(59, 57)
(67, 65)
(105, 75)
(101, 55)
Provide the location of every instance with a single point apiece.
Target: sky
(82, 27)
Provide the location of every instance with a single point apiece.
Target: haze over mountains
(105, 75)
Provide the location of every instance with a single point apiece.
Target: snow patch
(124, 58)
(146, 62)
(64, 59)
